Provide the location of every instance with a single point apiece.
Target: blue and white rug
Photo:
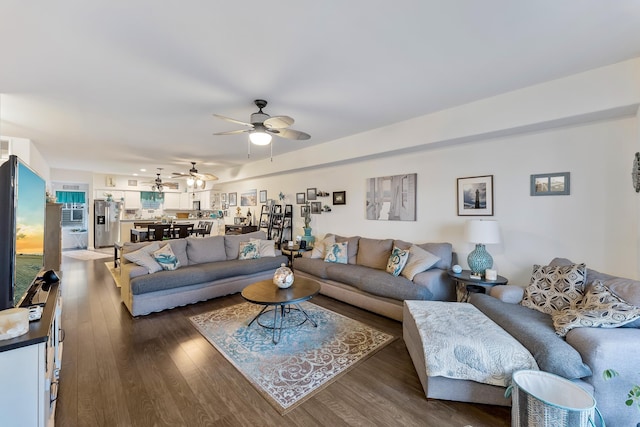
(305, 360)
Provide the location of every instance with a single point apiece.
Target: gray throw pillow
(144, 257)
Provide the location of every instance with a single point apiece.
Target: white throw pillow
(419, 260)
(144, 258)
(320, 248)
(267, 248)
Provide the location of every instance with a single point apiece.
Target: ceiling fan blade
(179, 174)
(292, 134)
(278, 122)
(229, 119)
(205, 176)
(233, 132)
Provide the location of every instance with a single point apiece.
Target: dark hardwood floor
(157, 370)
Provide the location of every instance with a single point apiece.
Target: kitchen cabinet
(132, 200)
(185, 201)
(172, 200)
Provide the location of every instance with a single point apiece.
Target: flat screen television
(22, 222)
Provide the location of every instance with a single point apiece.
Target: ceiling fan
(194, 177)
(156, 184)
(262, 126)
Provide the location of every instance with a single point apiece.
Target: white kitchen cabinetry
(132, 200)
(171, 200)
(30, 369)
(186, 201)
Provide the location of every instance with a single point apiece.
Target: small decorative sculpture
(283, 277)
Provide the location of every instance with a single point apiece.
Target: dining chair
(158, 231)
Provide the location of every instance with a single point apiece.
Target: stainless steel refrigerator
(106, 224)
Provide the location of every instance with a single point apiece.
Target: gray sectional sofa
(209, 268)
(364, 282)
(582, 356)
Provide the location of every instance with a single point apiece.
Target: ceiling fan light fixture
(259, 137)
(190, 181)
(199, 182)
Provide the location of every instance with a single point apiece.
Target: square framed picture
(475, 196)
(551, 184)
(311, 194)
(263, 196)
(316, 207)
(300, 200)
(233, 199)
(304, 209)
(339, 197)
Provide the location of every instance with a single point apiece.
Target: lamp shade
(482, 231)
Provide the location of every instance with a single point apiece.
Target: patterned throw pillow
(599, 308)
(337, 253)
(143, 257)
(555, 288)
(166, 258)
(249, 250)
(397, 261)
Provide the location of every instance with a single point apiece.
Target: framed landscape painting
(475, 196)
(391, 198)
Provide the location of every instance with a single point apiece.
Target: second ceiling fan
(195, 178)
(262, 126)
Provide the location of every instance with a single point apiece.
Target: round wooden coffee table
(266, 293)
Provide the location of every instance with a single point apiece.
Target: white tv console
(30, 369)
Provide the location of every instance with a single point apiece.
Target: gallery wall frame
(316, 207)
(263, 196)
(311, 193)
(475, 196)
(249, 198)
(550, 184)
(300, 200)
(233, 199)
(339, 197)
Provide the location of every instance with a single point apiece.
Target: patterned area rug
(115, 273)
(305, 360)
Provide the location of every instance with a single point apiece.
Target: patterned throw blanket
(462, 343)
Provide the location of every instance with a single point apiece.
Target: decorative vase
(308, 237)
(283, 277)
(479, 259)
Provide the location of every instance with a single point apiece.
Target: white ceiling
(112, 87)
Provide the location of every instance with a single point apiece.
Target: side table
(293, 252)
(464, 279)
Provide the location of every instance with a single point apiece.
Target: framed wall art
(233, 199)
(551, 184)
(391, 198)
(249, 198)
(475, 196)
(339, 197)
(300, 200)
(263, 196)
(311, 194)
(316, 207)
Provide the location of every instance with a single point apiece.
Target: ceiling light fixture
(158, 183)
(260, 137)
(190, 181)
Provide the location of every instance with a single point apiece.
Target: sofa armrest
(128, 272)
(507, 293)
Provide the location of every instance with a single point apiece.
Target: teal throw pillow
(397, 261)
(249, 250)
(337, 253)
(166, 258)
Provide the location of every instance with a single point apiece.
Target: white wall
(596, 224)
